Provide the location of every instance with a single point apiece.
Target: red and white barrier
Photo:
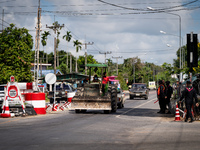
(70, 95)
(38, 102)
(6, 112)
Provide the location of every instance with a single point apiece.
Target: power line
(167, 8)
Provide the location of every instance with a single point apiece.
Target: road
(135, 127)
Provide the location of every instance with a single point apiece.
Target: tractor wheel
(113, 99)
(120, 105)
(131, 96)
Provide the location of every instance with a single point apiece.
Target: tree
(77, 44)
(68, 38)
(15, 54)
(44, 42)
(81, 63)
(63, 68)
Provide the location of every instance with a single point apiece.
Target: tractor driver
(104, 83)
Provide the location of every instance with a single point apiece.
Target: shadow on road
(140, 112)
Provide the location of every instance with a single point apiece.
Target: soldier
(189, 93)
(169, 92)
(161, 97)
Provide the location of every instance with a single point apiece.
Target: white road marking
(136, 107)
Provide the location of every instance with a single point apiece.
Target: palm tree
(77, 44)
(68, 38)
(44, 42)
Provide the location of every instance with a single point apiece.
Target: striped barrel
(38, 102)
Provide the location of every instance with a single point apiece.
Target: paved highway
(137, 126)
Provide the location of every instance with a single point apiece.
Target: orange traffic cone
(177, 115)
(6, 112)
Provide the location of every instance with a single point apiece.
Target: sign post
(50, 79)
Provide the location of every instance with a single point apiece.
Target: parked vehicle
(152, 85)
(120, 98)
(61, 93)
(139, 90)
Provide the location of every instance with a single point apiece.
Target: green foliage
(77, 44)
(63, 68)
(122, 82)
(90, 60)
(68, 36)
(15, 54)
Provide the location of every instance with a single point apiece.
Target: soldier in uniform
(161, 97)
(189, 94)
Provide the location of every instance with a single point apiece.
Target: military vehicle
(90, 96)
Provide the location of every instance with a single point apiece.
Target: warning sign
(12, 91)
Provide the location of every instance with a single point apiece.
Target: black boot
(191, 120)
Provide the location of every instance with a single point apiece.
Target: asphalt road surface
(135, 127)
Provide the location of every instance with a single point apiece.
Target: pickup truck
(61, 93)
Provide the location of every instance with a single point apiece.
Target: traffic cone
(177, 115)
(6, 112)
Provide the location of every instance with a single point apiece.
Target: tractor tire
(120, 105)
(113, 99)
(131, 96)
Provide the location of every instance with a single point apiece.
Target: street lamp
(163, 32)
(150, 8)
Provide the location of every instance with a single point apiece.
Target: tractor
(90, 96)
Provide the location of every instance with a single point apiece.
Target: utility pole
(117, 62)
(37, 44)
(86, 43)
(108, 52)
(54, 28)
(70, 62)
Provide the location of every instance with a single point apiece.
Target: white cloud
(117, 33)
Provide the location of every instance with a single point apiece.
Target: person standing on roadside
(161, 97)
(169, 92)
(189, 94)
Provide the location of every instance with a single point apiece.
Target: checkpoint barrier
(70, 95)
(177, 115)
(37, 100)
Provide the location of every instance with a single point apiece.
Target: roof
(97, 65)
(45, 72)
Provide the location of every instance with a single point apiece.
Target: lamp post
(163, 32)
(150, 8)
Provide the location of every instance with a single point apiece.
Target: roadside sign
(50, 78)
(12, 91)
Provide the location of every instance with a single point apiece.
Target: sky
(124, 28)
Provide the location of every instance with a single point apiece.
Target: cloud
(124, 34)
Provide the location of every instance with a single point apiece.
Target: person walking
(189, 94)
(161, 97)
(169, 92)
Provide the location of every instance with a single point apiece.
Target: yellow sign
(198, 44)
